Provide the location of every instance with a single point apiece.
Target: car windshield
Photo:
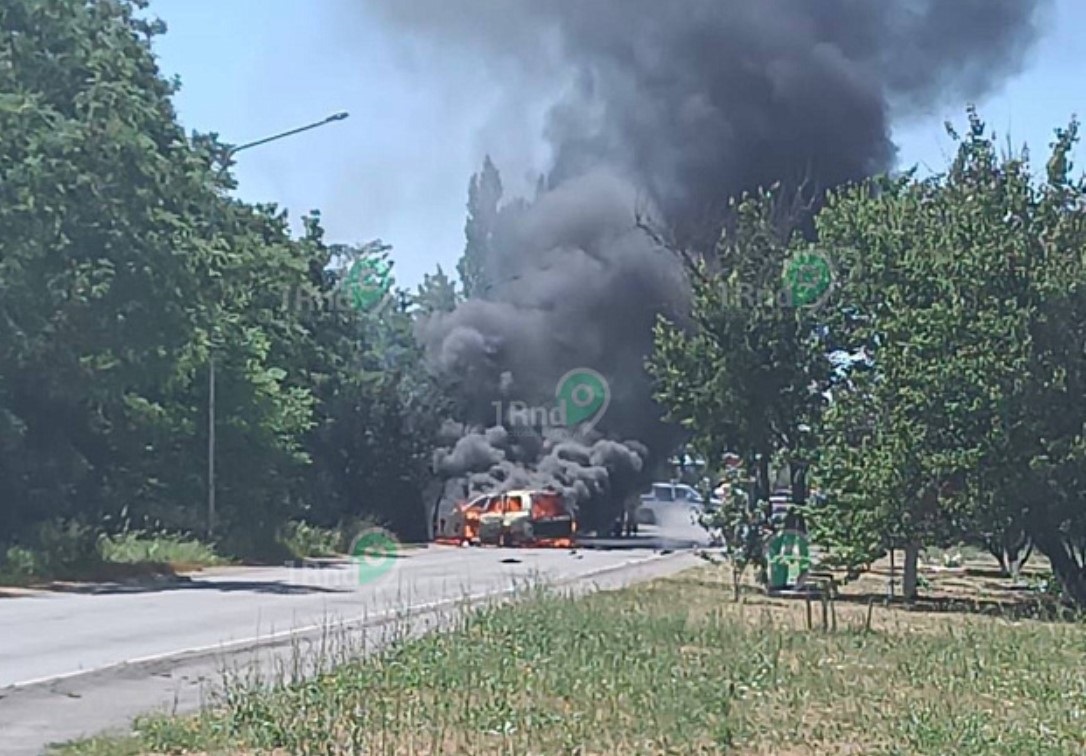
(662, 492)
(689, 494)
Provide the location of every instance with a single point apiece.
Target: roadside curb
(160, 662)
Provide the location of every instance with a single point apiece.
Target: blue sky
(398, 168)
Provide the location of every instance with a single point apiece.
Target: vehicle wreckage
(530, 518)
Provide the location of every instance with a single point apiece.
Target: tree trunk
(996, 550)
(431, 501)
(909, 581)
(762, 486)
(893, 574)
(1011, 548)
(1020, 560)
(1065, 567)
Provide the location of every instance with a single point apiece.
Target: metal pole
(329, 119)
(211, 449)
(211, 371)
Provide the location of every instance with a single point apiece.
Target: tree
(742, 525)
(484, 194)
(965, 291)
(103, 302)
(376, 408)
(436, 293)
(1036, 467)
(744, 376)
(125, 269)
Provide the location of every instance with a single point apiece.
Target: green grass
(137, 548)
(74, 552)
(303, 540)
(670, 667)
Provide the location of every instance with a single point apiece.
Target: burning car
(513, 518)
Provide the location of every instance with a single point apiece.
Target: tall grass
(670, 667)
(303, 539)
(72, 551)
(138, 548)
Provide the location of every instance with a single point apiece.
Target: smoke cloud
(583, 470)
(667, 108)
(699, 99)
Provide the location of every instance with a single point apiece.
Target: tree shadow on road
(184, 583)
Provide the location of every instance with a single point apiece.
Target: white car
(673, 497)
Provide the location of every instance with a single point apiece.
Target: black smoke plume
(696, 100)
(670, 107)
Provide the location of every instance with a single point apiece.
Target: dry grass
(675, 666)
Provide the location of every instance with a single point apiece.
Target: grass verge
(139, 548)
(76, 554)
(673, 666)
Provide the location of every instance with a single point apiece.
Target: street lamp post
(334, 117)
(211, 359)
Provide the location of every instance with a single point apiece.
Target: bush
(137, 547)
(53, 549)
(20, 562)
(305, 540)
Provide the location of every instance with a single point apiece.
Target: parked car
(663, 497)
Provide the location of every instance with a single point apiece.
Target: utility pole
(211, 358)
(211, 447)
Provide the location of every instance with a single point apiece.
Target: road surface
(77, 662)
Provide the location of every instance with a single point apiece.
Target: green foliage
(436, 293)
(926, 273)
(742, 523)
(484, 194)
(742, 376)
(966, 293)
(305, 540)
(70, 550)
(379, 410)
(134, 547)
(962, 301)
(660, 668)
(54, 548)
(127, 271)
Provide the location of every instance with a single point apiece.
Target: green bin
(789, 557)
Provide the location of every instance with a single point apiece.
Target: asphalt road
(76, 662)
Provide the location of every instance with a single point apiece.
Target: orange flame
(544, 505)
